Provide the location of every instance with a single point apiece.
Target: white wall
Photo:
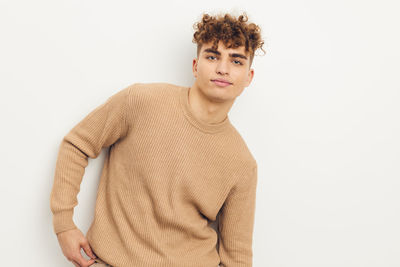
(321, 117)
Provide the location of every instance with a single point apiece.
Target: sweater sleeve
(101, 128)
(236, 223)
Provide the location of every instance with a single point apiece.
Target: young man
(175, 164)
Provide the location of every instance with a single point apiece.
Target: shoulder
(241, 149)
(138, 92)
(152, 89)
(146, 100)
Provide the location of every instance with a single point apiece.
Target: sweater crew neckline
(197, 122)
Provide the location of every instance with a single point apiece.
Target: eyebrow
(210, 50)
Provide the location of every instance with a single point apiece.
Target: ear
(195, 67)
(250, 76)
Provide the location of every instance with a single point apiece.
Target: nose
(222, 67)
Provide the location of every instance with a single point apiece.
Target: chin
(219, 94)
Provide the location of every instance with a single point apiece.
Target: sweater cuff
(62, 221)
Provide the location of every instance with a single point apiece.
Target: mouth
(222, 83)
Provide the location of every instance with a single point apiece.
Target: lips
(221, 82)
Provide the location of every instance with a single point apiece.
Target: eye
(209, 57)
(240, 63)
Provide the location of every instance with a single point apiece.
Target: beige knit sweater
(166, 177)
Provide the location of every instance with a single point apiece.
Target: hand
(71, 242)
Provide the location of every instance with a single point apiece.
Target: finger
(82, 261)
(85, 263)
(88, 250)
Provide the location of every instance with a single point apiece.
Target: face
(229, 64)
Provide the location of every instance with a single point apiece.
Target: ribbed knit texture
(167, 175)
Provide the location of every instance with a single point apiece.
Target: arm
(100, 128)
(236, 223)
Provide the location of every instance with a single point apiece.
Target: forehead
(222, 47)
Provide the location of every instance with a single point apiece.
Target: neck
(210, 110)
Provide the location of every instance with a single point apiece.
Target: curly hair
(233, 32)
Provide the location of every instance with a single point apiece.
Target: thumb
(88, 250)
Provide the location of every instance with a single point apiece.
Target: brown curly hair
(233, 32)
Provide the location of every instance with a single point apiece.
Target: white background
(321, 117)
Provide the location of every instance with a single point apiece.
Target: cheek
(240, 76)
(203, 72)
